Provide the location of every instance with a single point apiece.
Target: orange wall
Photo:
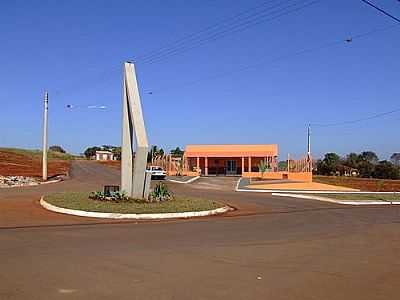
(301, 176)
(231, 150)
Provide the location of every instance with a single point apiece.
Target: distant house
(104, 155)
(346, 171)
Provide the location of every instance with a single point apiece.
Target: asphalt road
(270, 248)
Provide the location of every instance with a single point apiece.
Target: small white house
(104, 155)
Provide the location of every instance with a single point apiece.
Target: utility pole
(309, 141)
(309, 159)
(45, 141)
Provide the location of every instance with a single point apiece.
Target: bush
(263, 167)
(57, 148)
(386, 170)
(160, 193)
(113, 196)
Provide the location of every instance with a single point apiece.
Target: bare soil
(19, 164)
(363, 184)
(115, 164)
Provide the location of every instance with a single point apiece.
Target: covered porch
(229, 160)
(228, 166)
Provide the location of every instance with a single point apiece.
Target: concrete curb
(237, 185)
(184, 182)
(305, 191)
(51, 181)
(351, 202)
(159, 216)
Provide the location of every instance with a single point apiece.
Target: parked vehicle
(157, 172)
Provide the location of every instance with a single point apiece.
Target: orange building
(230, 159)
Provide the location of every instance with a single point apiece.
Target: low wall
(300, 176)
(184, 173)
(269, 175)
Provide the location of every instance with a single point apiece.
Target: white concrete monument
(134, 139)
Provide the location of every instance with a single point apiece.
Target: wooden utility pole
(45, 140)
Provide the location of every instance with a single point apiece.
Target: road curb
(51, 181)
(119, 216)
(350, 202)
(184, 182)
(313, 192)
(238, 189)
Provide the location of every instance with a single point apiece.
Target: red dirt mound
(18, 164)
(363, 184)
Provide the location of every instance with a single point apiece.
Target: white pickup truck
(156, 172)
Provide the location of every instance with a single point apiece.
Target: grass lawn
(81, 201)
(382, 197)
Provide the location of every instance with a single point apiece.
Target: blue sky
(76, 50)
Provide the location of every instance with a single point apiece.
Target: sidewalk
(341, 201)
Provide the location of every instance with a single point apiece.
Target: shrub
(161, 193)
(113, 196)
(380, 185)
(57, 148)
(263, 167)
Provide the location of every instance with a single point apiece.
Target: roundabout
(78, 204)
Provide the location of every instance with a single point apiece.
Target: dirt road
(276, 248)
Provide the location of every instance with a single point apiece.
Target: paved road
(272, 248)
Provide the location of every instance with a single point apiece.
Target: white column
(134, 138)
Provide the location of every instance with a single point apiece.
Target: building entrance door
(231, 168)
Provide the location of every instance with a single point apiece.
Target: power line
(228, 30)
(204, 30)
(280, 58)
(357, 120)
(107, 75)
(381, 10)
(326, 45)
(251, 66)
(229, 22)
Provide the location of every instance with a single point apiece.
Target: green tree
(117, 152)
(328, 166)
(57, 148)
(386, 170)
(395, 159)
(282, 165)
(177, 152)
(352, 160)
(263, 167)
(91, 151)
(154, 152)
(107, 147)
(369, 156)
(366, 169)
